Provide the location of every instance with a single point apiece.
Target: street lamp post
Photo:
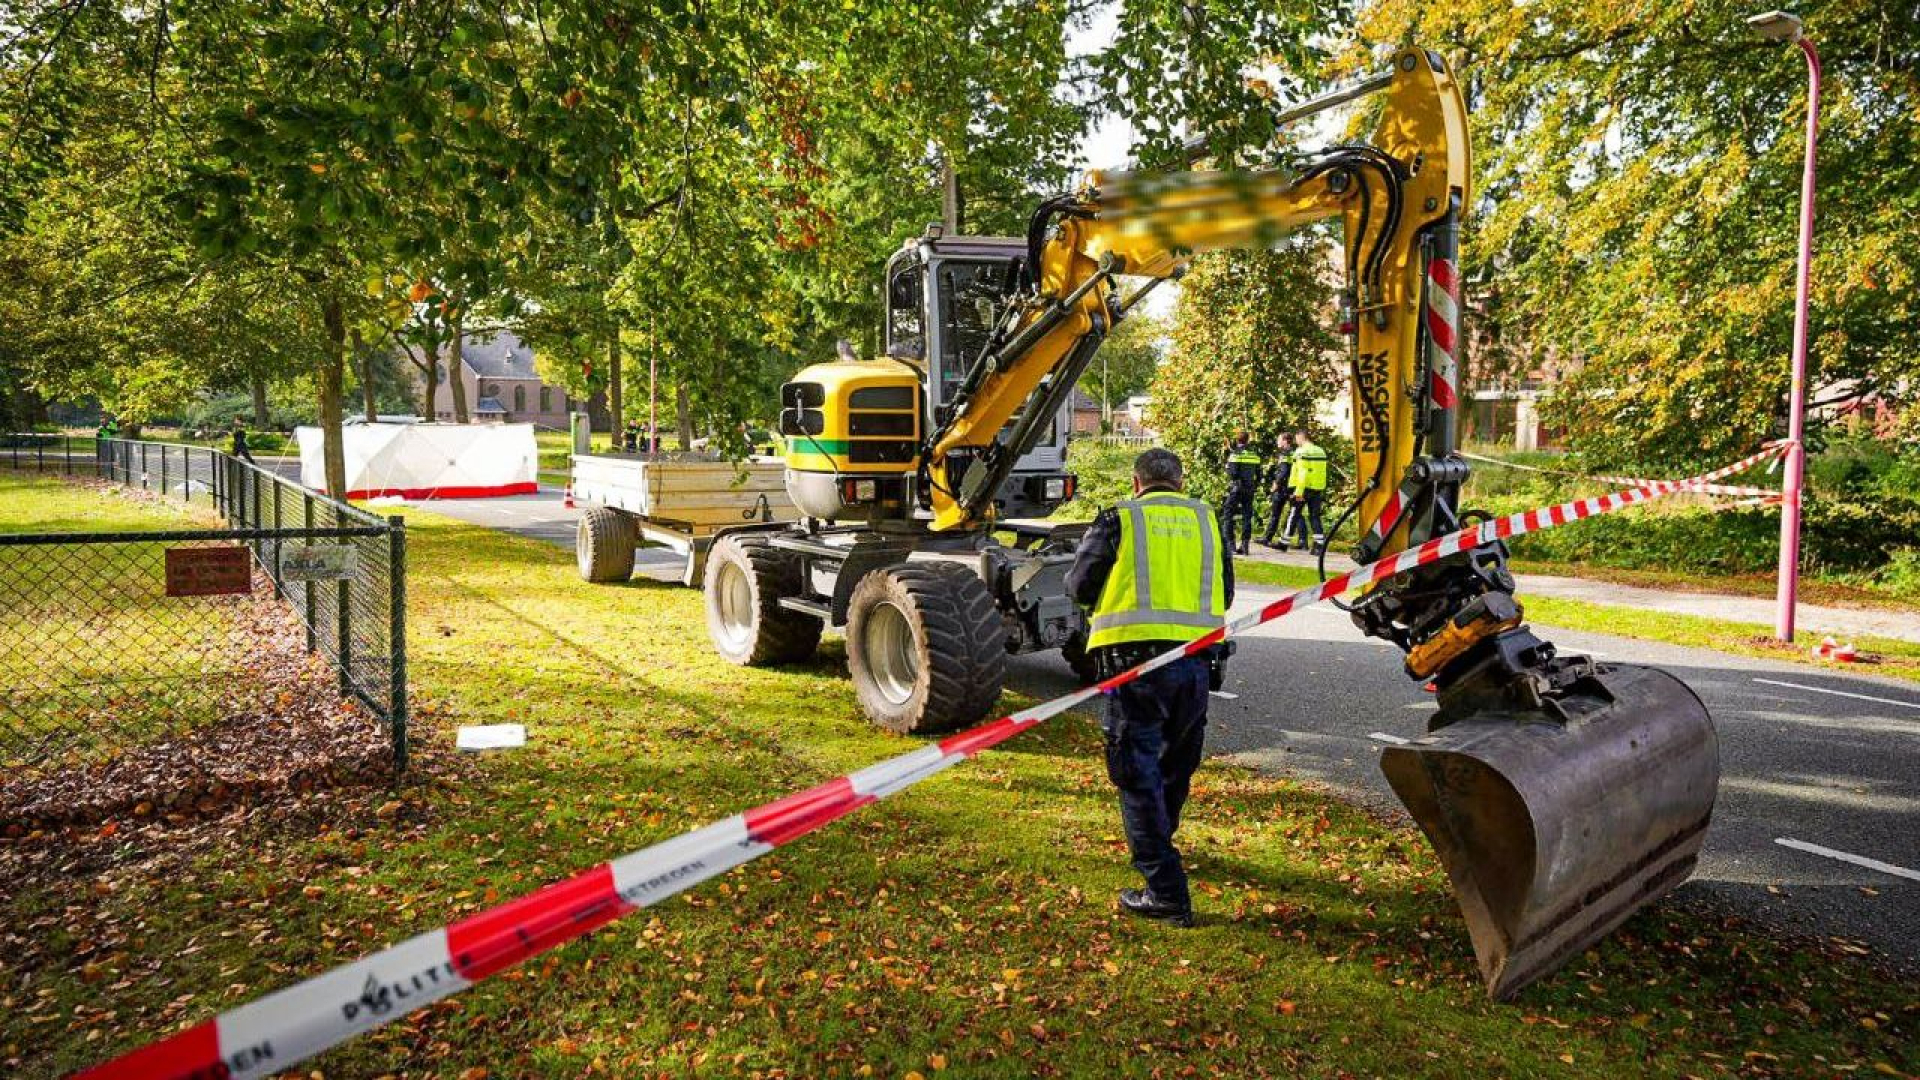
(1785, 27)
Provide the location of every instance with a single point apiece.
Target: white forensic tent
(427, 461)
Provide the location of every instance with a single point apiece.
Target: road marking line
(1225, 695)
(1857, 860)
(1839, 693)
(1381, 736)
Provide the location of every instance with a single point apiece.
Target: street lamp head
(1776, 26)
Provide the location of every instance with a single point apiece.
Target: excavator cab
(946, 296)
(852, 450)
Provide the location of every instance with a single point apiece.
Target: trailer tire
(926, 646)
(745, 580)
(603, 544)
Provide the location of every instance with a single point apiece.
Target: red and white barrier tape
(1760, 496)
(286, 1027)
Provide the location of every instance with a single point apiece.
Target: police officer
(1308, 480)
(1155, 572)
(1279, 494)
(239, 443)
(1243, 479)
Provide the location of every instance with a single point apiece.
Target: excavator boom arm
(1398, 196)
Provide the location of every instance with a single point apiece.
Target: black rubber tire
(603, 544)
(1074, 652)
(958, 647)
(745, 580)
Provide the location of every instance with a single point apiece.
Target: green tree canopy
(1639, 170)
(1253, 350)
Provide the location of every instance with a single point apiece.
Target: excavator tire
(926, 647)
(744, 583)
(603, 545)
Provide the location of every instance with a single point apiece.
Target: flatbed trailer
(679, 501)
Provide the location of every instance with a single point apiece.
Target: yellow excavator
(1561, 794)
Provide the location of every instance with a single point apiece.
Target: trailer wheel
(603, 545)
(926, 646)
(745, 580)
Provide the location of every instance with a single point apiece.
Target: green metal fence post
(343, 629)
(306, 502)
(279, 591)
(163, 470)
(397, 635)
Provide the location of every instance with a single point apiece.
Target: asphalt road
(1807, 754)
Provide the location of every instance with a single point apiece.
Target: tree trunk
(261, 418)
(429, 394)
(454, 379)
(616, 396)
(683, 414)
(952, 209)
(332, 383)
(366, 357)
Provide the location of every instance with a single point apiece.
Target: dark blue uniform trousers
(1156, 727)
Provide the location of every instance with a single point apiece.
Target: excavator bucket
(1556, 824)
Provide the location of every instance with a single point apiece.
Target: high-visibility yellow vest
(1166, 584)
(1309, 471)
(1243, 457)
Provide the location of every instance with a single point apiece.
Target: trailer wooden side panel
(702, 494)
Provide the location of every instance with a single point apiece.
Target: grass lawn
(1887, 656)
(33, 502)
(966, 925)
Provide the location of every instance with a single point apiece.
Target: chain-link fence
(111, 640)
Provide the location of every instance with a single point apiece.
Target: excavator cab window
(972, 296)
(906, 317)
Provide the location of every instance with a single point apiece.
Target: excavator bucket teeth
(1554, 829)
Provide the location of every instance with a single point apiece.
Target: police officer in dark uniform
(1155, 572)
(1243, 479)
(1279, 493)
(239, 443)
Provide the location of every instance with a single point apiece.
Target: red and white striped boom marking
(1443, 323)
(284, 1028)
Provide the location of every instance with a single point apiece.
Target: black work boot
(1142, 903)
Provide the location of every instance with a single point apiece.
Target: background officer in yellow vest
(1308, 476)
(1156, 572)
(1243, 479)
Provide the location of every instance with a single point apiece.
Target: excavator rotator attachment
(1561, 795)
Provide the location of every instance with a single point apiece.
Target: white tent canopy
(427, 461)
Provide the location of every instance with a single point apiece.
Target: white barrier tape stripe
(1706, 489)
(278, 1031)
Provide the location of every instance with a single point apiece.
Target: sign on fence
(209, 571)
(323, 562)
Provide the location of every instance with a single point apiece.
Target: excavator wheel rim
(733, 602)
(893, 659)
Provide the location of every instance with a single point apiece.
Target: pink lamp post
(1784, 26)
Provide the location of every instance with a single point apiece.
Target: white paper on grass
(491, 737)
